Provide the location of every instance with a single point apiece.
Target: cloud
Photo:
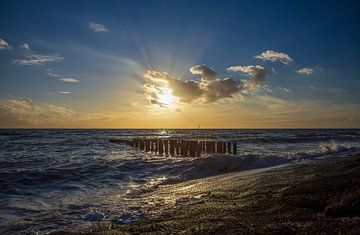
(64, 92)
(209, 89)
(186, 91)
(52, 74)
(25, 46)
(4, 45)
(96, 27)
(207, 73)
(19, 112)
(267, 88)
(25, 111)
(274, 56)
(283, 89)
(72, 80)
(36, 59)
(333, 91)
(256, 71)
(306, 71)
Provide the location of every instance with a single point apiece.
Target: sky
(179, 64)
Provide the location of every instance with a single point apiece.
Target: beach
(317, 196)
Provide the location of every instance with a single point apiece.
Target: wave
(218, 164)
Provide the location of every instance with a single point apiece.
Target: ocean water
(56, 179)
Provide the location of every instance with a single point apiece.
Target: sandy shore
(320, 196)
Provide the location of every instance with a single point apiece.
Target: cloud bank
(25, 111)
(96, 27)
(210, 88)
(274, 56)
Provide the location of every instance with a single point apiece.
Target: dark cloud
(206, 72)
(208, 89)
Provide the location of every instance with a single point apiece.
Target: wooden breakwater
(180, 147)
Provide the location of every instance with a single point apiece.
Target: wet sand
(318, 196)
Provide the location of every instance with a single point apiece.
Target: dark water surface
(61, 179)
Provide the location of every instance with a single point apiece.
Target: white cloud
(283, 89)
(4, 45)
(36, 59)
(306, 71)
(25, 46)
(274, 56)
(256, 71)
(267, 88)
(72, 80)
(96, 27)
(52, 74)
(64, 92)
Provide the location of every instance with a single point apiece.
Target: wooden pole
(172, 147)
(199, 148)
(177, 147)
(156, 145)
(161, 147)
(166, 143)
(142, 144)
(136, 143)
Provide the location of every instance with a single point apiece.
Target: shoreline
(317, 196)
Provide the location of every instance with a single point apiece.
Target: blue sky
(107, 47)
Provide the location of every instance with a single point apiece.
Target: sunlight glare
(166, 97)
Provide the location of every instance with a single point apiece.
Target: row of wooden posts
(174, 147)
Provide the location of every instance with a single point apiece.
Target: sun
(166, 97)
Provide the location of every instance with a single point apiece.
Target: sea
(67, 179)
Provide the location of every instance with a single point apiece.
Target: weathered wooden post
(156, 145)
(234, 148)
(199, 148)
(166, 143)
(146, 145)
(142, 144)
(210, 146)
(218, 147)
(192, 149)
(183, 148)
(177, 147)
(229, 148)
(136, 143)
(151, 145)
(187, 148)
(161, 147)
(171, 147)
